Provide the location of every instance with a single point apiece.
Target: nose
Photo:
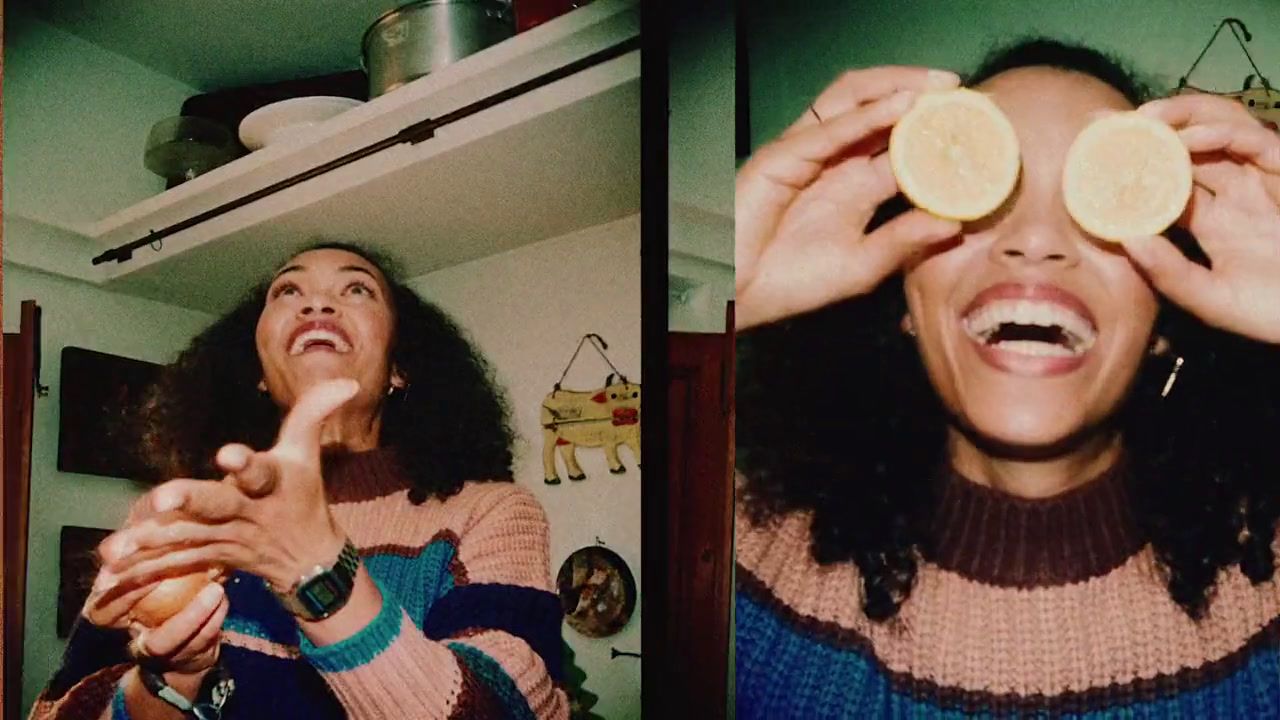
(1047, 238)
(318, 304)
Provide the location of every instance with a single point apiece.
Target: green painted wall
(701, 165)
(797, 48)
(81, 315)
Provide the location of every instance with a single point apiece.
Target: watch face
(320, 593)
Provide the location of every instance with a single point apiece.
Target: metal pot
(416, 39)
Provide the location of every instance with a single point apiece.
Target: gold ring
(138, 647)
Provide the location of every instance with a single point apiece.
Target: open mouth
(1038, 328)
(319, 336)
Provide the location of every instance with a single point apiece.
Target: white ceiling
(219, 44)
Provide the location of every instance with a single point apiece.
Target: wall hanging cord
(600, 346)
(1231, 24)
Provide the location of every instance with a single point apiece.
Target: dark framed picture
(98, 393)
(77, 567)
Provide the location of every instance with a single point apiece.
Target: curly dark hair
(450, 426)
(836, 416)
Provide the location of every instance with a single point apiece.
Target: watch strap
(215, 690)
(324, 591)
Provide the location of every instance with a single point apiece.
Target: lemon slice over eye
(1126, 176)
(955, 154)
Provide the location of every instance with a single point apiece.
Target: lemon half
(955, 154)
(1126, 176)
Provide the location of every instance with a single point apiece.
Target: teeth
(987, 319)
(300, 343)
(1038, 349)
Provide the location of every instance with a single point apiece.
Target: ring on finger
(138, 646)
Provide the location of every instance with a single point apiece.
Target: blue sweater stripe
(359, 649)
(783, 672)
(489, 672)
(530, 614)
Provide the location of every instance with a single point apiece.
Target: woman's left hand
(268, 517)
(1234, 213)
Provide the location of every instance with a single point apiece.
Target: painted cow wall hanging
(607, 417)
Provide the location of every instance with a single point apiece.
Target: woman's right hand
(802, 202)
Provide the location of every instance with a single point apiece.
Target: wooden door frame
(19, 368)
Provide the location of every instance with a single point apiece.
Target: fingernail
(902, 99)
(211, 595)
(166, 501)
(1152, 108)
(107, 580)
(941, 80)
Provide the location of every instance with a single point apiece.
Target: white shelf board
(549, 162)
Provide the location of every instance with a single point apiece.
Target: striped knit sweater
(469, 627)
(1029, 608)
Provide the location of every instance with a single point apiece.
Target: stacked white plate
(290, 118)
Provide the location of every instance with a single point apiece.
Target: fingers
(255, 474)
(234, 457)
(830, 272)
(1188, 284)
(201, 500)
(109, 603)
(1196, 109)
(858, 87)
(891, 244)
(146, 541)
(184, 561)
(192, 628)
(1247, 141)
(770, 181)
(1218, 175)
(299, 438)
(208, 637)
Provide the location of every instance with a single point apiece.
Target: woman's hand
(186, 643)
(268, 517)
(803, 201)
(1234, 213)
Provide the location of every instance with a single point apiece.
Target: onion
(171, 595)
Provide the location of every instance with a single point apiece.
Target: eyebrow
(344, 268)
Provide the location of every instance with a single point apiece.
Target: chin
(1030, 428)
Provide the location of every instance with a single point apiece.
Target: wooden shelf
(560, 158)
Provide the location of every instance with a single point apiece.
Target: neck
(1040, 477)
(353, 429)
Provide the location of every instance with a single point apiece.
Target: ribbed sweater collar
(365, 475)
(1001, 539)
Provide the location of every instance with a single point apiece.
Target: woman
(339, 410)
(937, 523)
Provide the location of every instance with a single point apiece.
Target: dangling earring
(1173, 377)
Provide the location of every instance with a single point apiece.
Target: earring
(1159, 345)
(908, 325)
(1173, 376)
(262, 387)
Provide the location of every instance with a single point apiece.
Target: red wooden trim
(19, 406)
